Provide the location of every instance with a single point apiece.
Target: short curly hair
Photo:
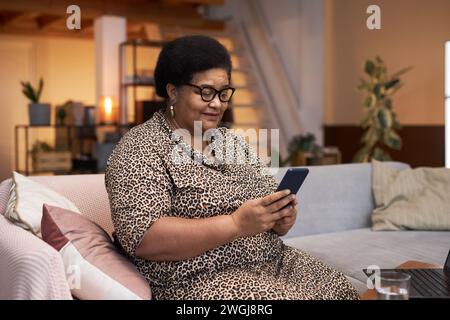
(181, 58)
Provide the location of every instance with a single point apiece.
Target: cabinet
(72, 150)
(138, 100)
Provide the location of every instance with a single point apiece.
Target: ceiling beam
(6, 17)
(194, 2)
(184, 14)
(45, 21)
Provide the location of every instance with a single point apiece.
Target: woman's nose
(215, 102)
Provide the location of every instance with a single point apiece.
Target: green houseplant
(301, 148)
(39, 113)
(380, 123)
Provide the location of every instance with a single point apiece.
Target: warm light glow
(108, 110)
(108, 106)
(447, 104)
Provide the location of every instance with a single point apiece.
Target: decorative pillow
(410, 199)
(26, 198)
(95, 269)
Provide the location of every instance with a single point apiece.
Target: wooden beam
(182, 14)
(45, 21)
(7, 17)
(194, 2)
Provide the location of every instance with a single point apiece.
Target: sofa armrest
(29, 268)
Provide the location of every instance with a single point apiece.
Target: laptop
(427, 283)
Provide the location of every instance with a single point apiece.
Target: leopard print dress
(144, 183)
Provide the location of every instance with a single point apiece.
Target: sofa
(333, 224)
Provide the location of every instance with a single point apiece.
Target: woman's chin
(209, 124)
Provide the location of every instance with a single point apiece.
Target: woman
(196, 226)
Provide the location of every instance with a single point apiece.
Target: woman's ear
(171, 92)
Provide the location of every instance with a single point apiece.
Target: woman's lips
(211, 116)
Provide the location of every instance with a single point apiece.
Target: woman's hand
(285, 224)
(259, 215)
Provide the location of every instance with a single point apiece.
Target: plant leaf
(369, 68)
(392, 83)
(401, 72)
(362, 155)
(385, 118)
(39, 91)
(380, 155)
(393, 140)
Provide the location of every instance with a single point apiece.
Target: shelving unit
(137, 61)
(68, 138)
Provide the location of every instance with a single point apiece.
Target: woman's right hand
(258, 215)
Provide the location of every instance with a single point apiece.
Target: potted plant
(380, 123)
(303, 150)
(39, 113)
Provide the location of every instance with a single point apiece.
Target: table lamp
(108, 110)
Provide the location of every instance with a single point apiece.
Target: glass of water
(393, 286)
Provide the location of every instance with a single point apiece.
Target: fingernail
(287, 191)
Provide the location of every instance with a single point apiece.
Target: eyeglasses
(209, 93)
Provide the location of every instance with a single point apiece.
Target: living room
(353, 90)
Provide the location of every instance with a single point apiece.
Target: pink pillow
(94, 267)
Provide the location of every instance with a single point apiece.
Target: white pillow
(26, 199)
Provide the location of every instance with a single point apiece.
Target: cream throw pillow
(410, 199)
(26, 199)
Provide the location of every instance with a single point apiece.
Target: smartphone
(293, 179)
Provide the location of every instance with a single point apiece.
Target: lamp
(108, 110)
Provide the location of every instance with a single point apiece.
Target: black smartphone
(293, 179)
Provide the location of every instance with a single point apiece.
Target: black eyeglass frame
(216, 92)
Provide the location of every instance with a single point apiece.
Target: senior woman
(206, 228)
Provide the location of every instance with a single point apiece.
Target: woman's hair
(181, 58)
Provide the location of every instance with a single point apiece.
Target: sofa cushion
(26, 198)
(334, 198)
(88, 193)
(96, 270)
(351, 251)
(413, 199)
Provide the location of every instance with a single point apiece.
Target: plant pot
(39, 114)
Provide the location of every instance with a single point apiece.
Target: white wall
(298, 30)
(413, 33)
(294, 30)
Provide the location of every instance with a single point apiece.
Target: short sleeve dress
(153, 173)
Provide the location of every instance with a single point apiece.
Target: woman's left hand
(285, 224)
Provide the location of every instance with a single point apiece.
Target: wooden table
(371, 294)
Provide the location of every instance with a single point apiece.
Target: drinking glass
(393, 286)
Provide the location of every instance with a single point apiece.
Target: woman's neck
(175, 125)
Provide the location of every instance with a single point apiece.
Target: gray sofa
(334, 224)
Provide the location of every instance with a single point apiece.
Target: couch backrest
(335, 198)
(86, 191)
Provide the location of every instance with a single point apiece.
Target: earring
(172, 113)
